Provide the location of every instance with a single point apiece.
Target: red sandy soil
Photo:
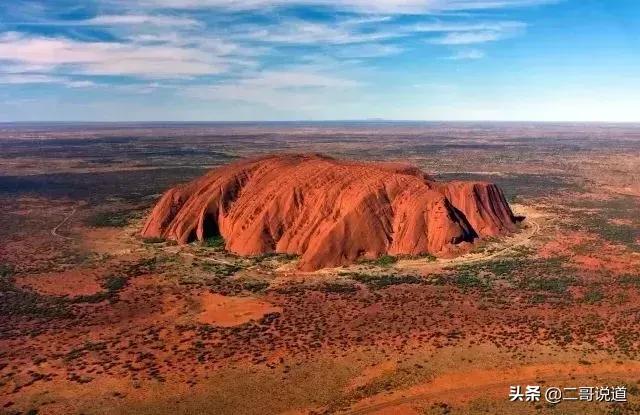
(231, 311)
(464, 386)
(110, 241)
(372, 373)
(74, 282)
(331, 212)
(597, 256)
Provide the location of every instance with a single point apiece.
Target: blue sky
(134, 60)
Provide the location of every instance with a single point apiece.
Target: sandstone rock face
(330, 212)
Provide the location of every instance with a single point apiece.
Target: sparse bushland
(599, 220)
(424, 256)
(593, 296)
(220, 269)
(80, 352)
(402, 377)
(545, 279)
(117, 219)
(338, 287)
(255, 286)
(379, 281)
(113, 284)
(387, 261)
(468, 280)
(19, 302)
(555, 285)
(629, 279)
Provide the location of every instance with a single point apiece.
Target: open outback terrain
(97, 319)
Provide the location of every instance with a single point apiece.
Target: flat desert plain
(97, 319)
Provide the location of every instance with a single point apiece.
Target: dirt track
(54, 231)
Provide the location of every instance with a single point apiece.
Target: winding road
(54, 231)
(521, 242)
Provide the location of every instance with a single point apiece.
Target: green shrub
(428, 257)
(593, 296)
(108, 219)
(214, 242)
(467, 280)
(115, 283)
(6, 271)
(220, 269)
(385, 261)
(384, 280)
(338, 287)
(538, 298)
(629, 279)
(255, 285)
(6, 277)
(556, 285)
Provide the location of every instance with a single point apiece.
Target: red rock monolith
(330, 212)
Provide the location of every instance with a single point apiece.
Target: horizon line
(364, 120)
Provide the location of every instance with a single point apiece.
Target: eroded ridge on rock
(330, 212)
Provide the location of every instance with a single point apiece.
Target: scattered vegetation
(534, 274)
(220, 269)
(6, 271)
(116, 219)
(468, 280)
(428, 257)
(555, 285)
(19, 302)
(338, 287)
(378, 281)
(629, 279)
(593, 296)
(404, 376)
(114, 283)
(385, 261)
(599, 220)
(153, 240)
(255, 286)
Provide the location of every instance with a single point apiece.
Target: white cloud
(368, 50)
(136, 19)
(113, 20)
(470, 54)
(454, 27)
(28, 79)
(296, 79)
(472, 37)
(359, 31)
(176, 39)
(34, 78)
(293, 90)
(363, 6)
(80, 84)
(106, 58)
(305, 32)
